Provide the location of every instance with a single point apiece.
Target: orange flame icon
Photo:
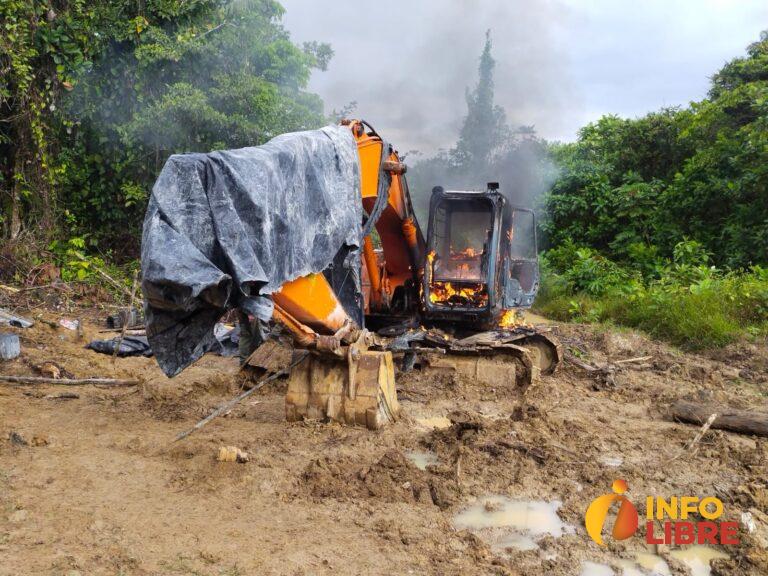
(626, 519)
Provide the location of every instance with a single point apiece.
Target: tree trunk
(742, 421)
(14, 228)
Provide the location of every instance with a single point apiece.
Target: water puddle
(434, 422)
(697, 558)
(595, 569)
(505, 523)
(645, 564)
(654, 564)
(517, 541)
(611, 460)
(629, 568)
(422, 458)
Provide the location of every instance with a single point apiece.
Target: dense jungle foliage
(658, 222)
(94, 96)
(661, 222)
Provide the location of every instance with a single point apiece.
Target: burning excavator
(447, 301)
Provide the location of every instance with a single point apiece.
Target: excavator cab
(481, 257)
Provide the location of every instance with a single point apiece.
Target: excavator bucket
(358, 391)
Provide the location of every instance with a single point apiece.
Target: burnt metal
(509, 271)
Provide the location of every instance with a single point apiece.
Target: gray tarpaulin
(227, 229)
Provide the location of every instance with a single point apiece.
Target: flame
(508, 319)
(462, 254)
(511, 319)
(465, 295)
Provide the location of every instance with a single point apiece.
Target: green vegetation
(629, 186)
(685, 301)
(661, 222)
(95, 95)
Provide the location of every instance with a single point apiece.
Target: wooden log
(68, 381)
(732, 419)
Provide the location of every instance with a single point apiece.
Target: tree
(487, 150)
(42, 46)
(484, 133)
(114, 87)
(204, 76)
(633, 188)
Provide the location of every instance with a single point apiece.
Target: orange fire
(465, 295)
(462, 254)
(511, 319)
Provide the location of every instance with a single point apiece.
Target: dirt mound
(392, 478)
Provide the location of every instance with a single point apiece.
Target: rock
(16, 439)
(69, 324)
(620, 344)
(10, 347)
(232, 454)
(40, 440)
(18, 516)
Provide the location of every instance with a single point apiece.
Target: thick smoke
(407, 64)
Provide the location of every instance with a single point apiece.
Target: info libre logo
(672, 513)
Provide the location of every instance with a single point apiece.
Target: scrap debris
(130, 317)
(232, 454)
(68, 381)
(125, 346)
(10, 347)
(10, 319)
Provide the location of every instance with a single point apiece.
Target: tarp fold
(229, 228)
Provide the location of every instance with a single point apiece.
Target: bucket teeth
(326, 388)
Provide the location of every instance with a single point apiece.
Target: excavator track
(521, 354)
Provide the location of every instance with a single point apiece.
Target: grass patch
(688, 304)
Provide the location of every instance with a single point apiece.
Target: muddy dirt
(95, 485)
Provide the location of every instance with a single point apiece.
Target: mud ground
(95, 485)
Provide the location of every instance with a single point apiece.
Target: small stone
(232, 454)
(17, 439)
(18, 516)
(41, 440)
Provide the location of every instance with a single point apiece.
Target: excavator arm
(309, 307)
(345, 380)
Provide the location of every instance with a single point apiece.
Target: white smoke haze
(559, 63)
(407, 64)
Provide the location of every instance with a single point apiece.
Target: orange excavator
(448, 301)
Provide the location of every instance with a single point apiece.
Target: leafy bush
(699, 172)
(686, 302)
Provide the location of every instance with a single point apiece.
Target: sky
(559, 63)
